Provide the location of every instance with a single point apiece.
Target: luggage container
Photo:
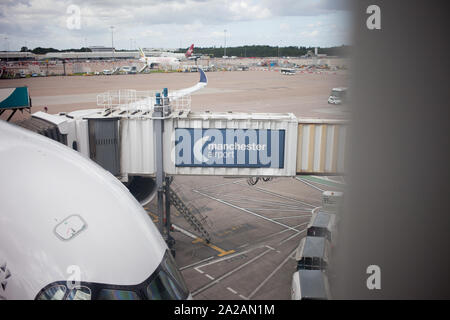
(310, 285)
(312, 253)
(322, 224)
(332, 201)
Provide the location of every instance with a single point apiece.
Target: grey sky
(173, 23)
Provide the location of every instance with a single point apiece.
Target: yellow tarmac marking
(155, 217)
(221, 251)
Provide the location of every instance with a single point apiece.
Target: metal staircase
(183, 209)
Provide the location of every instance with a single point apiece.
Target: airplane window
(81, 293)
(53, 293)
(109, 294)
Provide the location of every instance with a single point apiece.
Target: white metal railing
(132, 100)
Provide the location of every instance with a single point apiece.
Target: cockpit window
(80, 293)
(165, 283)
(56, 292)
(108, 294)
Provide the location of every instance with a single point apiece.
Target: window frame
(140, 289)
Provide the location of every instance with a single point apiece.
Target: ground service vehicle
(338, 96)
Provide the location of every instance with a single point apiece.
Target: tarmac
(304, 94)
(254, 229)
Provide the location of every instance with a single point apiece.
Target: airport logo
(236, 148)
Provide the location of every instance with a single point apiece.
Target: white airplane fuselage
(63, 219)
(153, 61)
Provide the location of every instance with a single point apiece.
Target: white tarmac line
(217, 185)
(328, 179)
(290, 217)
(273, 235)
(209, 277)
(291, 237)
(309, 184)
(229, 256)
(197, 269)
(229, 273)
(196, 263)
(245, 210)
(281, 210)
(185, 232)
(278, 195)
(231, 290)
(261, 201)
(271, 275)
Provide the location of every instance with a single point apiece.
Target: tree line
(40, 50)
(270, 51)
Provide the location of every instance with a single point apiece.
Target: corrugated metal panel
(137, 146)
(321, 146)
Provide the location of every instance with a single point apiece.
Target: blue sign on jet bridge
(238, 148)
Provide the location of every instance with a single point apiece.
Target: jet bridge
(208, 143)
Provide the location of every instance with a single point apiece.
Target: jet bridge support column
(161, 111)
(158, 131)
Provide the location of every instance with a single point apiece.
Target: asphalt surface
(254, 233)
(304, 94)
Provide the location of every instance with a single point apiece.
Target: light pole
(112, 41)
(225, 47)
(6, 47)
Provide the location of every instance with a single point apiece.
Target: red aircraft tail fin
(189, 51)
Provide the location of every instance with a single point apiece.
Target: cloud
(285, 27)
(245, 10)
(309, 34)
(150, 34)
(219, 34)
(45, 21)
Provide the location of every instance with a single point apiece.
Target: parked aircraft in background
(151, 62)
